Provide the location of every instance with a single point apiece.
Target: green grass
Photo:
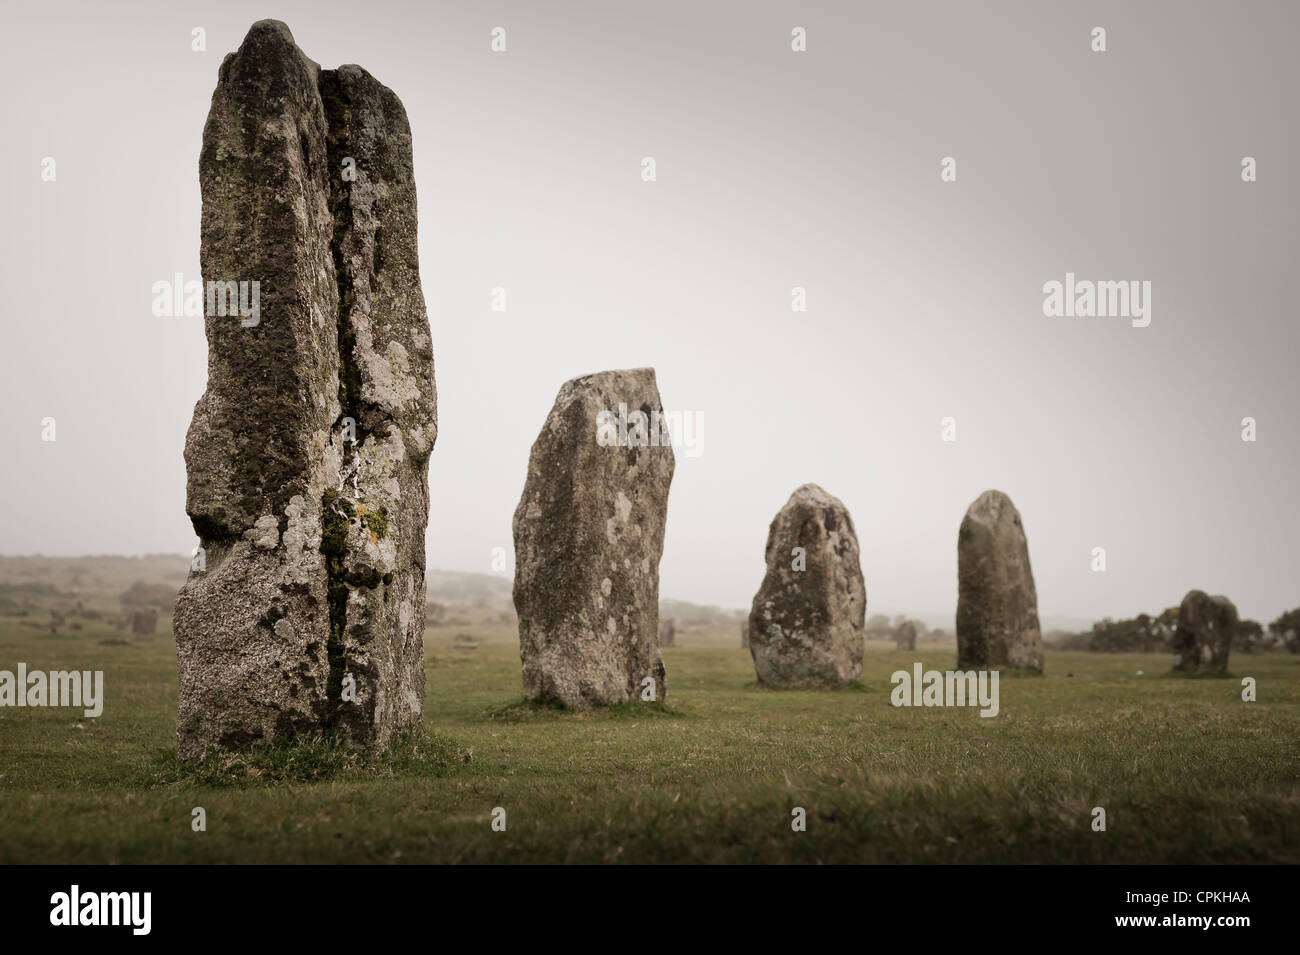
(1186, 771)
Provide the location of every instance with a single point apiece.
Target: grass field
(1186, 771)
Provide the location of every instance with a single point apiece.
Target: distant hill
(948, 621)
(37, 584)
(458, 598)
(690, 616)
(462, 587)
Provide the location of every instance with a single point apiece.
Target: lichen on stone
(266, 455)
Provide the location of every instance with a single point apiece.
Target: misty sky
(775, 169)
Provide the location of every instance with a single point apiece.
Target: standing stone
(1204, 634)
(806, 626)
(905, 637)
(589, 531)
(744, 634)
(997, 606)
(308, 453)
(144, 622)
(667, 632)
(58, 622)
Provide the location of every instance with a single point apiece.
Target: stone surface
(1204, 633)
(806, 626)
(905, 638)
(744, 634)
(667, 632)
(144, 622)
(307, 455)
(589, 531)
(997, 605)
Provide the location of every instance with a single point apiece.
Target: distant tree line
(1147, 634)
(881, 627)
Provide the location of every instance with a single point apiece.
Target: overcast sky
(775, 169)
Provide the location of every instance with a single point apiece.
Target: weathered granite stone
(806, 625)
(667, 632)
(1204, 633)
(144, 622)
(997, 605)
(589, 531)
(905, 637)
(307, 456)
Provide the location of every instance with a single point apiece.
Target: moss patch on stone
(336, 514)
(377, 521)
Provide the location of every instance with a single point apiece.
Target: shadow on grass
(527, 711)
(1172, 674)
(318, 758)
(857, 686)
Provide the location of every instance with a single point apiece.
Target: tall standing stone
(307, 456)
(1204, 633)
(589, 531)
(806, 625)
(997, 605)
(905, 637)
(144, 622)
(667, 632)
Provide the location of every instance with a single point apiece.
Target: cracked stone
(343, 335)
